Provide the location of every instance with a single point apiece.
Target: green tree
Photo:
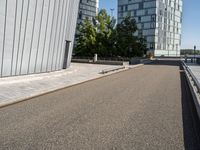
(102, 36)
(96, 36)
(86, 40)
(127, 43)
(105, 29)
(141, 49)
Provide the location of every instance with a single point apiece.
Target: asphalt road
(144, 108)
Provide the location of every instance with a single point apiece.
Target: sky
(191, 20)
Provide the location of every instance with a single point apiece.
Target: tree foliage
(105, 29)
(86, 44)
(104, 37)
(189, 52)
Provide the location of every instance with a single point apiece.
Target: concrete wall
(33, 35)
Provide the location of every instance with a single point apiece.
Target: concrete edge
(16, 101)
(104, 71)
(193, 89)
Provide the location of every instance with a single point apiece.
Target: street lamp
(112, 12)
(194, 52)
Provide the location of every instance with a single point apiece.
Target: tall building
(87, 9)
(36, 35)
(158, 21)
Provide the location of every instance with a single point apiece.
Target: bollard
(95, 57)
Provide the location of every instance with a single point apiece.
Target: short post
(95, 57)
(186, 58)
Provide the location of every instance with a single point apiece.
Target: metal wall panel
(33, 35)
(10, 15)
(3, 7)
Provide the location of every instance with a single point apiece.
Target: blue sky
(191, 20)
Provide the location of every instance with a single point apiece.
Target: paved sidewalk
(195, 68)
(15, 89)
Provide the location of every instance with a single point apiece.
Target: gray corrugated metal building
(36, 35)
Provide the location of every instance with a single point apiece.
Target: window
(161, 12)
(126, 8)
(176, 46)
(140, 33)
(153, 18)
(146, 12)
(142, 25)
(135, 13)
(121, 8)
(151, 46)
(141, 5)
(139, 19)
(129, 13)
(80, 16)
(153, 25)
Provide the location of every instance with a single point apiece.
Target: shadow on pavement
(191, 122)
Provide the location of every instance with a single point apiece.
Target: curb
(16, 101)
(112, 69)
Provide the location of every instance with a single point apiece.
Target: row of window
(160, 46)
(87, 8)
(88, 2)
(83, 14)
(137, 6)
(146, 5)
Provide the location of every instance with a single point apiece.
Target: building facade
(158, 21)
(36, 35)
(87, 8)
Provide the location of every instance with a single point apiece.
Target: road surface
(144, 108)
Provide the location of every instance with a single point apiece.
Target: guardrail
(194, 86)
(194, 79)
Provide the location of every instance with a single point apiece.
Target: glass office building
(158, 21)
(36, 35)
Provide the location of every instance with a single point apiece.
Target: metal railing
(194, 79)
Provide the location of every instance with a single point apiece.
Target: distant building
(87, 9)
(159, 22)
(36, 35)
